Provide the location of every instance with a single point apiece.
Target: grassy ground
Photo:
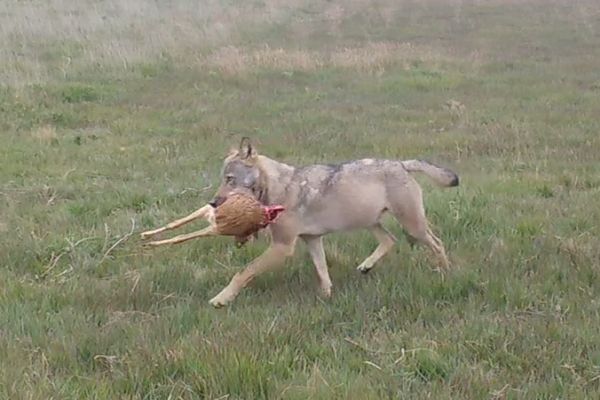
(116, 115)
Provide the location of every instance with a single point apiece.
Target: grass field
(115, 116)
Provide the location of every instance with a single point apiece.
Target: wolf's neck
(276, 177)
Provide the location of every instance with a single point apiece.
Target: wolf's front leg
(272, 257)
(317, 253)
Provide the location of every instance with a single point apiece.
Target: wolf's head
(240, 173)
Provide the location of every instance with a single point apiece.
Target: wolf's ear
(247, 151)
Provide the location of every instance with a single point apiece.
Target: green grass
(128, 120)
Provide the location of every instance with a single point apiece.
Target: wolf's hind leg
(407, 206)
(386, 242)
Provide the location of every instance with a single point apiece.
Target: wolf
(322, 199)
(325, 198)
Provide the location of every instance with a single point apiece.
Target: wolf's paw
(364, 269)
(222, 299)
(325, 291)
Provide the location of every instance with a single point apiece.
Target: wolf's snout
(217, 201)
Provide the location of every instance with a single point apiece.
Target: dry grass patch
(46, 40)
(45, 134)
(233, 60)
(373, 57)
(376, 56)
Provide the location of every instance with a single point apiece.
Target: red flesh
(271, 213)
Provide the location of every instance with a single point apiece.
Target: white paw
(363, 268)
(325, 291)
(218, 302)
(222, 299)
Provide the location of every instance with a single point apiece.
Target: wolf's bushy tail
(440, 175)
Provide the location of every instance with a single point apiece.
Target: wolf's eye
(229, 180)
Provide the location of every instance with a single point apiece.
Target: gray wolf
(322, 199)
